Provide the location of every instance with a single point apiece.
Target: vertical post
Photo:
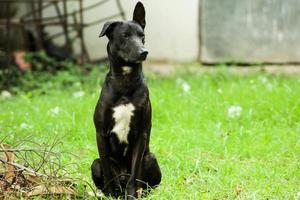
(24, 35)
(61, 18)
(200, 30)
(77, 26)
(37, 26)
(65, 27)
(121, 10)
(81, 36)
(8, 54)
(40, 25)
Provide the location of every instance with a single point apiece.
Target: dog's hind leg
(97, 174)
(151, 172)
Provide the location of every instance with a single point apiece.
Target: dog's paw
(131, 197)
(113, 190)
(131, 191)
(117, 190)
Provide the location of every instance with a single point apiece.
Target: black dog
(123, 114)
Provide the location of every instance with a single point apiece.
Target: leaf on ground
(43, 190)
(139, 192)
(33, 179)
(238, 190)
(10, 157)
(2, 186)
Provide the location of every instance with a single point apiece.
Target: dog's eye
(125, 35)
(141, 35)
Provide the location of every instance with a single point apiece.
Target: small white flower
(298, 194)
(250, 111)
(24, 126)
(183, 84)
(77, 84)
(5, 94)
(219, 131)
(263, 79)
(269, 86)
(186, 87)
(78, 94)
(179, 81)
(220, 90)
(96, 194)
(218, 125)
(234, 111)
(55, 110)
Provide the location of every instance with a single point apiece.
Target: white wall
(171, 30)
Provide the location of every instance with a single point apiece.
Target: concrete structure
(171, 30)
(251, 31)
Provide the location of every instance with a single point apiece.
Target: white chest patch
(126, 70)
(122, 116)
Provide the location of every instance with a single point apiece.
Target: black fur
(116, 173)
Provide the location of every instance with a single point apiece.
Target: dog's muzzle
(143, 54)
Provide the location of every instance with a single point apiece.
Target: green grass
(202, 151)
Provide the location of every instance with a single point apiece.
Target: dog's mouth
(134, 58)
(140, 58)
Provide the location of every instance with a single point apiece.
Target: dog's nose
(144, 53)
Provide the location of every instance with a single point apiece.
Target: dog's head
(126, 39)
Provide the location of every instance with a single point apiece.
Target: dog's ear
(139, 14)
(107, 28)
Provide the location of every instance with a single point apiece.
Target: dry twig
(36, 171)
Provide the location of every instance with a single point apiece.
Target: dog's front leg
(141, 143)
(110, 186)
(137, 156)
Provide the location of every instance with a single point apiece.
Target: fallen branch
(23, 168)
(17, 150)
(43, 173)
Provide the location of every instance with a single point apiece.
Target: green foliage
(47, 73)
(204, 152)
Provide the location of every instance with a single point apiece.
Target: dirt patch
(162, 69)
(166, 69)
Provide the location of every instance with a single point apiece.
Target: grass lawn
(216, 135)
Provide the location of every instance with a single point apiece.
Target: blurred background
(208, 31)
(33, 25)
(38, 34)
